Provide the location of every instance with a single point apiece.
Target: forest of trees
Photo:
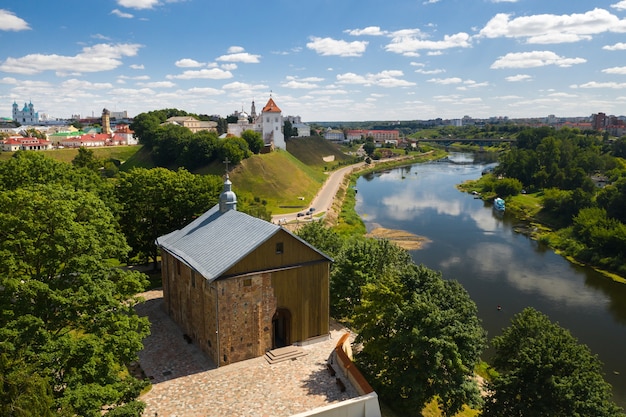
(68, 329)
(589, 220)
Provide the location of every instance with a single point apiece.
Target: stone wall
(246, 305)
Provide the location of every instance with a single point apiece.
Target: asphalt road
(324, 198)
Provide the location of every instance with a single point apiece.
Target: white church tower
(272, 121)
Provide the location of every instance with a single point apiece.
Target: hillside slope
(314, 149)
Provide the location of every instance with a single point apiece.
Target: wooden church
(239, 286)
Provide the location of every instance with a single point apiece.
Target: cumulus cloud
(188, 63)
(595, 84)
(101, 57)
(388, 78)
(301, 83)
(551, 28)
(119, 13)
(615, 70)
(138, 4)
(9, 21)
(534, 59)
(620, 46)
(329, 46)
(446, 81)
(370, 31)
(75, 84)
(409, 42)
(206, 73)
(620, 5)
(137, 66)
(238, 54)
(158, 84)
(518, 77)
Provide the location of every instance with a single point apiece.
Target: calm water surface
(478, 247)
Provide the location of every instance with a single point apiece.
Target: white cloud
(9, 21)
(235, 49)
(158, 84)
(188, 63)
(298, 84)
(404, 42)
(595, 84)
(518, 77)
(237, 54)
(329, 46)
(551, 28)
(229, 67)
(119, 13)
(534, 59)
(615, 70)
(446, 81)
(620, 5)
(8, 80)
(138, 4)
(212, 73)
(74, 84)
(205, 91)
(388, 78)
(620, 46)
(101, 57)
(370, 31)
(136, 66)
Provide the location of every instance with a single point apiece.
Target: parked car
(300, 214)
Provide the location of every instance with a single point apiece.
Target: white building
(269, 123)
(27, 115)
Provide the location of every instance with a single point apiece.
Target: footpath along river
(478, 247)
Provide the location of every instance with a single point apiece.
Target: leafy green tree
(86, 159)
(613, 199)
(369, 147)
(158, 201)
(421, 339)
(233, 148)
(321, 237)
(254, 140)
(506, 187)
(544, 371)
(359, 262)
(66, 313)
(288, 129)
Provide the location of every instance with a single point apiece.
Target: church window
(279, 247)
(247, 282)
(276, 120)
(268, 120)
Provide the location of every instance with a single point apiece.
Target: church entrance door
(281, 325)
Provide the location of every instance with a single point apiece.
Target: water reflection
(496, 265)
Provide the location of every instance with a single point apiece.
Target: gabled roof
(214, 242)
(271, 107)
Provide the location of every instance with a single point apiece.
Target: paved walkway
(187, 384)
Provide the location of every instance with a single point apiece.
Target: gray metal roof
(215, 241)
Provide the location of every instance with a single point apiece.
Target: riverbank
(526, 208)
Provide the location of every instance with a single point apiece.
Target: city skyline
(322, 60)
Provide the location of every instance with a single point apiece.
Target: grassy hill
(286, 181)
(314, 149)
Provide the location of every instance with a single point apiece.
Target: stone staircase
(284, 354)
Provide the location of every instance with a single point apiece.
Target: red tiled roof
(271, 107)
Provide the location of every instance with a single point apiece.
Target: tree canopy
(67, 326)
(544, 371)
(157, 201)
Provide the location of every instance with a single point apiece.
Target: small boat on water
(498, 204)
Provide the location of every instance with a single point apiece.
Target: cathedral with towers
(269, 123)
(26, 116)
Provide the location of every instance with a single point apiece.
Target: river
(497, 266)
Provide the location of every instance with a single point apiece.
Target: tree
(359, 262)
(254, 140)
(544, 371)
(233, 148)
(67, 316)
(288, 129)
(86, 159)
(421, 340)
(369, 147)
(321, 237)
(158, 201)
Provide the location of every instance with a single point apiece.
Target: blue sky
(324, 60)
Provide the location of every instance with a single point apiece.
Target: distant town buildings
(269, 123)
(26, 116)
(192, 123)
